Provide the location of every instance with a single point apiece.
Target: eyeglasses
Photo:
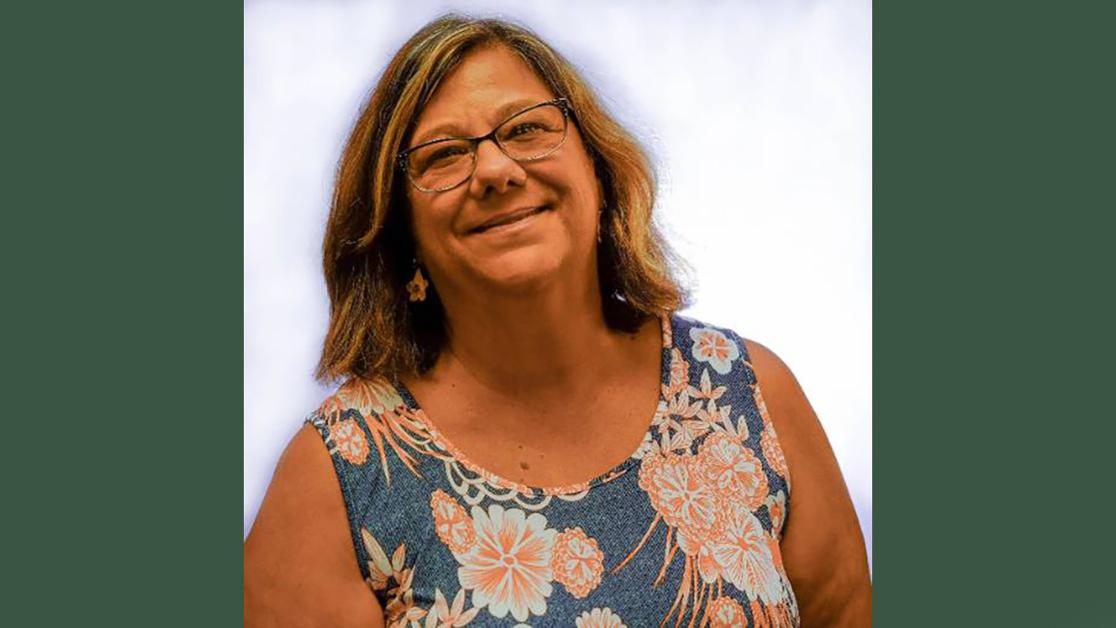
(443, 164)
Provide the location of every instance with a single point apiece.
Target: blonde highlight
(368, 252)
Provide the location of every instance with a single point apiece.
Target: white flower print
(508, 568)
(444, 615)
(745, 558)
(599, 618)
(715, 348)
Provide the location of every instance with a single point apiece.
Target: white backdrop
(757, 115)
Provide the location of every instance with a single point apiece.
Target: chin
(521, 272)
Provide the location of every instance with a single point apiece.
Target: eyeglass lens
(444, 164)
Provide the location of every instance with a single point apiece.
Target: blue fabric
(685, 530)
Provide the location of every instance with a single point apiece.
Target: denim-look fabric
(686, 530)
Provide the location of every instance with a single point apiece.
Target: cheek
(420, 227)
(586, 187)
(431, 225)
(588, 184)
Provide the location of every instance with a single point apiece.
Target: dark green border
(121, 230)
(122, 234)
(994, 170)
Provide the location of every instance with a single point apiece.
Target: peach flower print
(677, 491)
(774, 454)
(370, 396)
(733, 469)
(775, 551)
(647, 446)
(401, 609)
(599, 618)
(727, 613)
(773, 616)
(777, 511)
(508, 568)
(679, 372)
(349, 440)
(761, 405)
(715, 348)
(452, 523)
(445, 615)
(577, 562)
(707, 565)
(777, 616)
(745, 558)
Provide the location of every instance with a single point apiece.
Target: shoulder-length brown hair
(368, 250)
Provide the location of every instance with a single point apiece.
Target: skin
(823, 550)
(527, 336)
(545, 265)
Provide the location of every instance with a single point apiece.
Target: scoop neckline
(666, 343)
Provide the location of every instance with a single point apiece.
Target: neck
(553, 341)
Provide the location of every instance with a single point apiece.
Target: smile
(500, 223)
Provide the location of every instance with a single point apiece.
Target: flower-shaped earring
(416, 287)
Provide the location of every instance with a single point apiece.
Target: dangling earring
(600, 224)
(416, 287)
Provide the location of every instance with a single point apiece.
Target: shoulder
(785, 399)
(777, 392)
(299, 561)
(718, 347)
(721, 347)
(800, 433)
(299, 566)
(822, 547)
(366, 396)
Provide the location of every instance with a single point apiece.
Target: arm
(823, 551)
(299, 563)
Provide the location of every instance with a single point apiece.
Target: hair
(368, 249)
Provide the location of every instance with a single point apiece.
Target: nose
(495, 171)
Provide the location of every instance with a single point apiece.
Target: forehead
(488, 85)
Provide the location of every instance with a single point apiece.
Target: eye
(441, 156)
(524, 128)
(447, 151)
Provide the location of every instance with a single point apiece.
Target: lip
(508, 218)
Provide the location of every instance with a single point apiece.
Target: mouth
(509, 218)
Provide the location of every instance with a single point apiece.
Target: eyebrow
(453, 129)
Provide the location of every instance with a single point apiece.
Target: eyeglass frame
(474, 143)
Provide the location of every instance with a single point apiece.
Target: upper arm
(300, 567)
(823, 551)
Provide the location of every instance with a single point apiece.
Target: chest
(682, 527)
(533, 443)
(650, 543)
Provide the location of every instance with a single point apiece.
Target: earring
(416, 287)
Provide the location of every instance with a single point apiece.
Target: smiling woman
(506, 234)
(527, 431)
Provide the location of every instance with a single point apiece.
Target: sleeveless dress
(685, 531)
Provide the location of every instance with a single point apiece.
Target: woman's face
(556, 244)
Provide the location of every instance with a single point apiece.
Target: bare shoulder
(823, 550)
(795, 422)
(300, 568)
(777, 383)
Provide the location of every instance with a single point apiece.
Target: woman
(528, 434)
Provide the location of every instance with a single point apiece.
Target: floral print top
(686, 530)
